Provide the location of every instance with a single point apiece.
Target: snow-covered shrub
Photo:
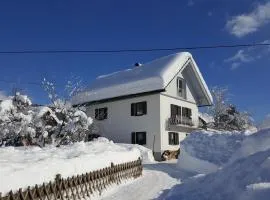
(24, 124)
(73, 124)
(16, 121)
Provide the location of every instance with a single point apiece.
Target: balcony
(180, 120)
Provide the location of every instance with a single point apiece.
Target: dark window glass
(187, 112)
(101, 113)
(175, 111)
(138, 138)
(181, 87)
(173, 138)
(138, 109)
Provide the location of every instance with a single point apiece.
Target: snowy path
(156, 181)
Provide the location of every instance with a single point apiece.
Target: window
(138, 138)
(173, 138)
(181, 115)
(175, 111)
(187, 113)
(181, 87)
(138, 109)
(101, 113)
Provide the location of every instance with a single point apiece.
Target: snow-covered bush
(24, 124)
(16, 121)
(72, 123)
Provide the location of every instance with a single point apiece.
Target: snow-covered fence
(80, 186)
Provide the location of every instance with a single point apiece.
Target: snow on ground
(27, 166)
(214, 147)
(149, 186)
(190, 163)
(245, 176)
(241, 167)
(231, 182)
(146, 154)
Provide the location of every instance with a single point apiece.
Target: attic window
(181, 87)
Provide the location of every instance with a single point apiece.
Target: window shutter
(133, 138)
(176, 138)
(96, 113)
(132, 109)
(180, 84)
(170, 136)
(144, 108)
(105, 113)
(184, 86)
(144, 138)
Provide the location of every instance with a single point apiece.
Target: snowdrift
(246, 178)
(146, 154)
(246, 175)
(206, 151)
(21, 166)
(214, 147)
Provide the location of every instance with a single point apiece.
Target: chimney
(137, 64)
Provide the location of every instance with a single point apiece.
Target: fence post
(112, 172)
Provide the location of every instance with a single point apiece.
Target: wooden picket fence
(80, 186)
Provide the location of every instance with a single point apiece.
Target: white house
(154, 104)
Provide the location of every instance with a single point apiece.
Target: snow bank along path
(245, 174)
(27, 166)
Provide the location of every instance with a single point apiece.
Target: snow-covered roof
(206, 117)
(152, 76)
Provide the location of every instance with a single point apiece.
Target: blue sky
(126, 24)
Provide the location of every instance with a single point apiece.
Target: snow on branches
(227, 116)
(24, 124)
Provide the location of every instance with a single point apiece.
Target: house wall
(119, 124)
(171, 89)
(171, 96)
(165, 114)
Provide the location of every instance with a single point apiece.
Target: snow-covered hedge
(21, 123)
(23, 166)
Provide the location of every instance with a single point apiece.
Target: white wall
(165, 113)
(119, 124)
(171, 89)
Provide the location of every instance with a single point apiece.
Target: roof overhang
(197, 83)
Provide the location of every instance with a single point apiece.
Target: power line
(22, 83)
(133, 50)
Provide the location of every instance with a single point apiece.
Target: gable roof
(149, 77)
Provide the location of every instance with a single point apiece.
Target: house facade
(154, 104)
